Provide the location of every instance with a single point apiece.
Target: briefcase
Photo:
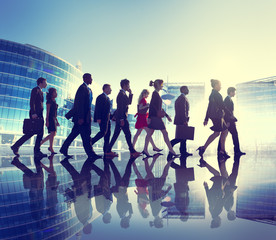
(33, 126)
(184, 132)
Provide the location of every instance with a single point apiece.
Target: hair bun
(151, 83)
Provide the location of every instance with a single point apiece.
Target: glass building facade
(20, 66)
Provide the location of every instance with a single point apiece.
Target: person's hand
(122, 123)
(205, 184)
(186, 123)
(47, 123)
(148, 121)
(228, 124)
(58, 123)
(147, 104)
(205, 123)
(99, 121)
(129, 90)
(169, 118)
(34, 116)
(80, 121)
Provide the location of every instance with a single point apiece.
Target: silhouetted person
(102, 117)
(51, 118)
(182, 118)
(36, 111)
(156, 113)
(215, 112)
(142, 119)
(81, 114)
(102, 191)
(231, 120)
(121, 117)
(81, 192)
(124, 207)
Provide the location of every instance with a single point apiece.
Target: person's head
(231, 215)
(144, 94)
(125, 84)
(231, 91)
(216, 222)
(41, 82)
(125, 222)
(185, 90)
(157, 84)
(87, 229)
(157, 222)
(107, 218)
(107, 89)
(51, 94)
(216, 84)
(87, 78)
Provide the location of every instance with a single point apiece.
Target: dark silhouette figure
(51, 118)
(215, 112)
(102, 191)
(182, 118)
(102, 117)
(80, 193)
(124, 207)
(156, 191)
(121, 117)
(81, 114)
(36, 111)
(231, 120)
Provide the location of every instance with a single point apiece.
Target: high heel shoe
(157, 149)
(202, 163)
(201, 150)
(52, 152)
(144, 153)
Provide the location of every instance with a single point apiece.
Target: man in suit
(121, 116)
(36, 112)
(102, 117)
(231, 120)
(181, 118)
(82, 118)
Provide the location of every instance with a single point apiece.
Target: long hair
(145, 91)
(50, 93)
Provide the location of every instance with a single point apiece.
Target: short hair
(184, 89)
(40, 80)
(124, 82)
(214, 82)
(231, 89)
(86, 75)
(105, 86)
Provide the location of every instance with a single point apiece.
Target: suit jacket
(229, 114)
(122, 105)
(82, 107)
(181, 110)
(155, 105)
(36, 102)
(102, 108)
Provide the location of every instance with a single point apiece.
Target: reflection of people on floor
(51, 188)
(102, 191)
(34, 182)
(183, 176)
(215, 194)
(81, 192)
(156, 191)
(230, 188)
(124, 207)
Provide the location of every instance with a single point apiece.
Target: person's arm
(98, 110)
(207, 116)
(79, 104)
(48, 105)
(33, 99)
(130, 97)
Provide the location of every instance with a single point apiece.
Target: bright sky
(182, 40)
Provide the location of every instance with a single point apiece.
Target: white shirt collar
(123, 90)
(183, 94)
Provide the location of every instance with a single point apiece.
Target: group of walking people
(149, 118)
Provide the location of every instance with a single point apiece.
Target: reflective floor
(127, 198)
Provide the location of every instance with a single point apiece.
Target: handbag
(33, 126)
(184, 132)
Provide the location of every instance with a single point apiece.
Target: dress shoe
(65, 153)
(201, 150)
(111, 154)
(15, 150)
(240, 153)
(94, 156)
(135, 154)
(40, 155)
(186, 154)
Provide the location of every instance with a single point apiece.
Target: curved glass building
(20, 66)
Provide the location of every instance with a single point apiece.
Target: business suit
(229, 118)
(121, 114)
(36, 107)
(102, 112)
(181, 118)
(81, 110)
